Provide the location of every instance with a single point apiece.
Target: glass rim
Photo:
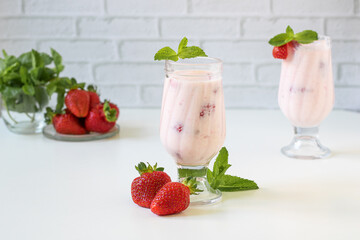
(323, 37)
(216, 61)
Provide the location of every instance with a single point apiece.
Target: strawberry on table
(145, 187)
(78, 102)
(65, 123)
(102, 117)
(174, 197)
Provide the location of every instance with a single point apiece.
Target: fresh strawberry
(280, 52)
(102, 117)
(94, 99)
(65, 123)
(145, 187)
(94, 96)
(78, 102)
(174, 197)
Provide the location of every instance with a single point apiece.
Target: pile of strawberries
(84, 113)
(154, 190)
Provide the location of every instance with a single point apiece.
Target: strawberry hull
(96, 121)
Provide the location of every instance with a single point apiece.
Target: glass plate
(49, 132)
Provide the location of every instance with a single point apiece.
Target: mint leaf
(182, 44)
(25, 60)
(46, 58)
(166, 53)
(289, 31)
(281, 39)
(60, 100)
(210, 176)
(307, 36)
(36, 59)
(304, 37)
(23, 74)
(227, 183)
(41, 96)
(233, 183)
(191, 52)
(221, 163)
(220, 166)
(28, 89)
(59, 67)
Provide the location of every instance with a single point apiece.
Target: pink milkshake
(192, 126)
(306, 95)
(193, 116)
(306, 90)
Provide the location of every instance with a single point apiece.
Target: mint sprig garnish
(184, 51)
(304, 37)
(227, 183)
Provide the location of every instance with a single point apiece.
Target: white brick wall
(9, 7)
(63, 7)
(112, 42)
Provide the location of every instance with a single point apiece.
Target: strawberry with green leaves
(145, 187)
(174, 197)
(285, 42)
(102, 118)
(65, 122)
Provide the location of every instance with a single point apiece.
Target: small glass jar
(24, 114)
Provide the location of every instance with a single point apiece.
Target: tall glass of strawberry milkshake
(192, 127)
(306, 95)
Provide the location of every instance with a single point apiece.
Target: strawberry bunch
(154, 190)
(84, 113)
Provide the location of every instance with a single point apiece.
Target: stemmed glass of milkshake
(192, 127)
(306, 94)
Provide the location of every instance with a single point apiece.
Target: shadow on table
(217, 208)
(240, 194)
(200, 211)
(133, 132)
(351, 152)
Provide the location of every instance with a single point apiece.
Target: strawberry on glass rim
(284, 42)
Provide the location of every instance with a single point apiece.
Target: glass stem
(192, 171)
(306, 133)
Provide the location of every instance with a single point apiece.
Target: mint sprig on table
(227, 183)
(184, 51)
(304, 37)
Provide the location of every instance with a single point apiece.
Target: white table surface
(51, 190)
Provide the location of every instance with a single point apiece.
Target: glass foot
(208, 194)
(306, 145)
